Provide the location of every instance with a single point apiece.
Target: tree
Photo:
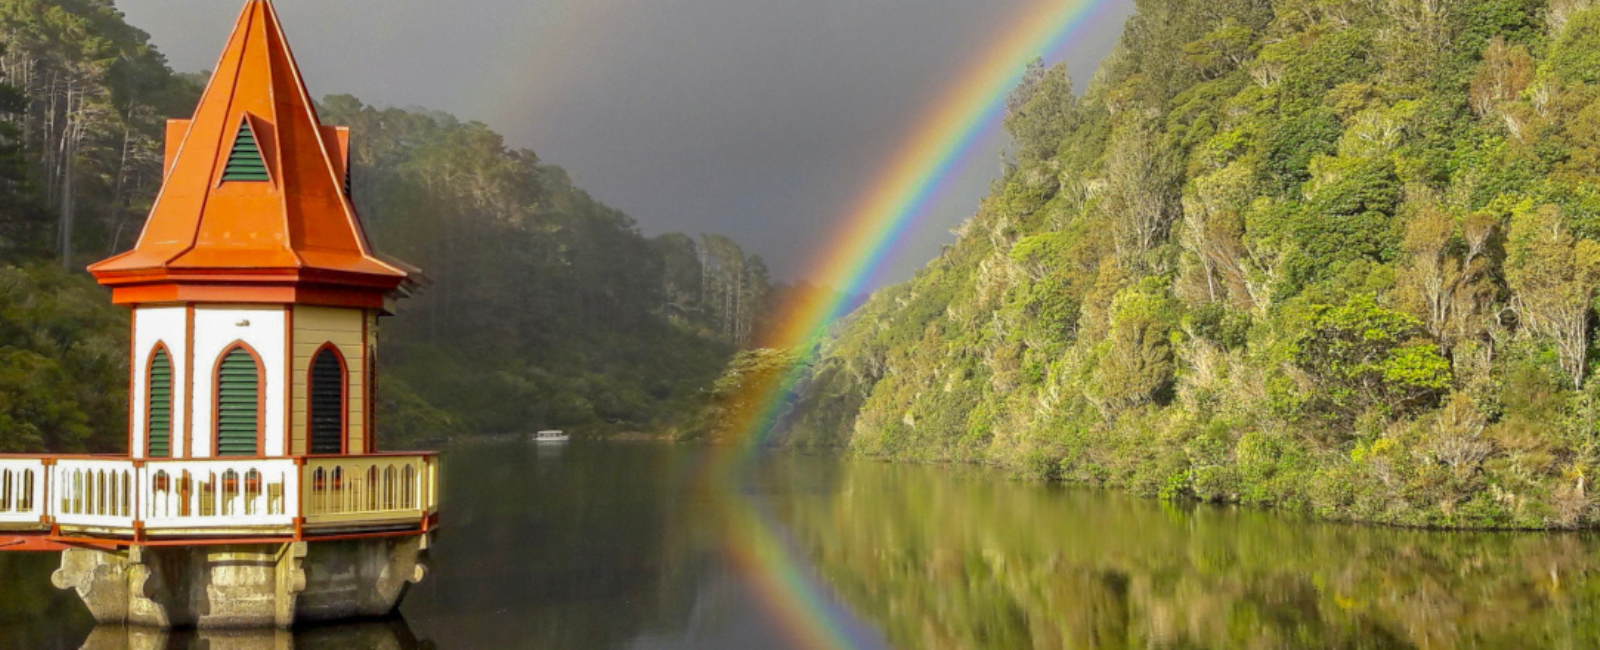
(1041, 111)
(1136, 362)
(1142, 189)
(1363, 356)
(1447, 281)
(1553, 277)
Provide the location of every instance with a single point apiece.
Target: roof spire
(254, 196)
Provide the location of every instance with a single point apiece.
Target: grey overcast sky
(762, 120)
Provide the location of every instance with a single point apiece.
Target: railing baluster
(94, 496)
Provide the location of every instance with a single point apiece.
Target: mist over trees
(1331, 256)
(544, 307)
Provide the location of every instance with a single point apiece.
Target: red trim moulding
(188, 383)
(288, 384)
(247, 293)
(133, 363)
(54, 542)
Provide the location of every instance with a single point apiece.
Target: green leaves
(63, 364)
(1575, 55)
(1362, 356)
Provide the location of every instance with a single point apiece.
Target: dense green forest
(544, 307)
(1338, 257)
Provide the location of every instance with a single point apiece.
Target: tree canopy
(1330, 256)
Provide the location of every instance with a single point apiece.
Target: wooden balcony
(112, 501)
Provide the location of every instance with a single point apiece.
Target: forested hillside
(544, 308)
(1339, 257)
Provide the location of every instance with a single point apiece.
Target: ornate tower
(254, 289)
(252, 493)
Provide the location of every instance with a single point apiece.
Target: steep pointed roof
(254, 207)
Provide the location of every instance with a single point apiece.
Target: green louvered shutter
(245, 162)
(238, 404)
(160, 416)
(327, 404)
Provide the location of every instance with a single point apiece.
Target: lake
(648, 546)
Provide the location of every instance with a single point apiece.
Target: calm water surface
(623, 546)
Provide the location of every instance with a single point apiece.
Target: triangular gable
(245, 162)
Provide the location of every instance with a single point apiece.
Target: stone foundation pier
(245, 585)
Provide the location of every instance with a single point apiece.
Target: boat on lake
(550, 437)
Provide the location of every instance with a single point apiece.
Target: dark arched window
(158, 405)
(239, 403)
(327, 404)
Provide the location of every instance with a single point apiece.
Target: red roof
(290, 236)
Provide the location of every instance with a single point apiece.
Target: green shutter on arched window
(327, 404)
(159, 421)
(245, 162)
(238, 404)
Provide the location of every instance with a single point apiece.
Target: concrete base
(247, 585)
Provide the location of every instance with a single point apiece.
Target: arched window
(327, 387)
(158, 405)
(239, 403)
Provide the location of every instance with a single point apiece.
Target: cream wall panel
(313, 328)
(216, 329)
(166, 326)
(371, 348)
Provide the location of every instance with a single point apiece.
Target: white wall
(152, 326)
(216, 329)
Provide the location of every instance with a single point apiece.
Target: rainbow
(866, 240)
(863, 244)
(783, 581)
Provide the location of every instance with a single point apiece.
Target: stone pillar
(245, 586)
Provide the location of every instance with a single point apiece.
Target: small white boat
(551, 437)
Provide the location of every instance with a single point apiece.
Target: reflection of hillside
(577, 549)
(953, 560)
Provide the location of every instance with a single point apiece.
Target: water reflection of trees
(583, 547)
(945, 559)
(34, 614)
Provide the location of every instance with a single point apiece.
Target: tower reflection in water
(393, 634)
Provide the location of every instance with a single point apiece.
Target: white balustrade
(198, 495)
(268, 496)
(367, 489)
(93, 493)
(22, 490)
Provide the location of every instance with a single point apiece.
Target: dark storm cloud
(763, 120)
